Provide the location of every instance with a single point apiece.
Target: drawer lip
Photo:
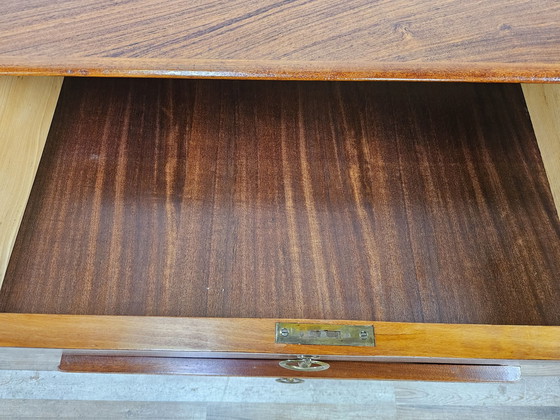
(166, 336)
(482, 72)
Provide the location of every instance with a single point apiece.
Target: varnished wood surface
(543, 102)
(26, 109)
(393, 202)
(434, 40)
(267, 368)
(254, 338)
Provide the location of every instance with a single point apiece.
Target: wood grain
(543, 103)
(188, 410)
(93, 396)
(88, 409)
(26, 110)
(271, 368)
(437, 40)
(29, 359)
(531, 392)
(477, 409)
(540, 368)
(254, 338)
(392, 202)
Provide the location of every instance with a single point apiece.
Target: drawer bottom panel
(378, 201)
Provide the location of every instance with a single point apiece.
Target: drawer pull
(305, 364)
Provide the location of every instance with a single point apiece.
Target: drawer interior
(416, 202)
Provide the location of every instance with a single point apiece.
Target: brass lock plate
(325, 334)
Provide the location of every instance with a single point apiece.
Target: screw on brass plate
(284, 332)
(363, 335)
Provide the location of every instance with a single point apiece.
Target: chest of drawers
(170, 224)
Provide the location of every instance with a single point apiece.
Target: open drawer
(180, 219)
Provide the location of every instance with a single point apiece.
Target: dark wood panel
(439, 39)
(263, 367)
(379, 201)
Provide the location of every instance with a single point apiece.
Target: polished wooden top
(487, 40)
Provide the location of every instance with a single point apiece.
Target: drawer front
(272, 368)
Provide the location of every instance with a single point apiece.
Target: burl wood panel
(376, 201)
(507, 40)
(267, 368)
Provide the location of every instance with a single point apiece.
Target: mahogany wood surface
(235, 337)
(507, 40)
(380, 201)
(263, 367)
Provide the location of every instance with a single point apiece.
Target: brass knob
(305, 363)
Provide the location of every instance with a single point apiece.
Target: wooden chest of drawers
(173, 223)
